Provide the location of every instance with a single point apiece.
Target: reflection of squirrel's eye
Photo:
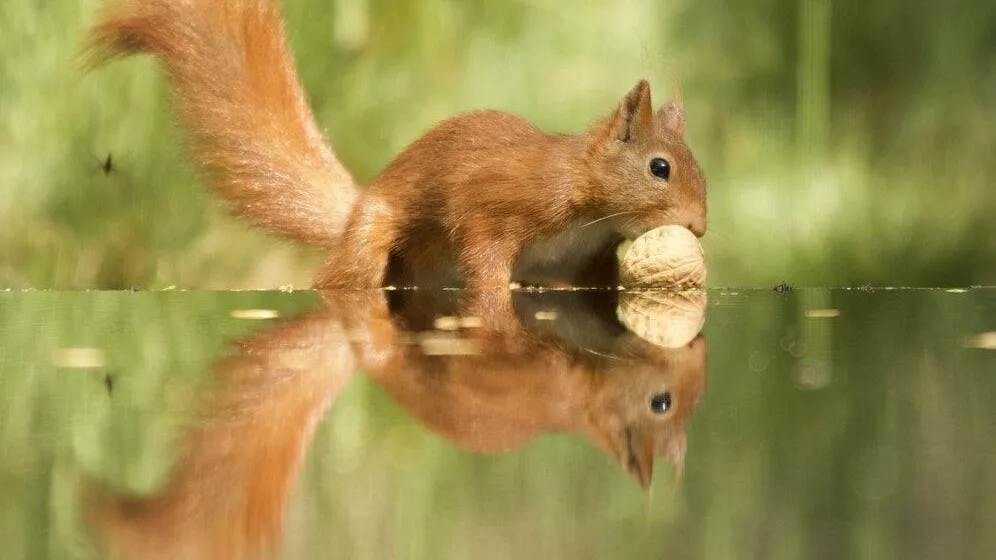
(660, 168)
(660, 403)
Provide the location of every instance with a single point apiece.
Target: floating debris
(546, 315)
(255, 314)
(983, 341)
(822, 313)
(451, 323)
(447, 346)
(78, 358)
(446, 323)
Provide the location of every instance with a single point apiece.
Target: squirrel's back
(479, 161)
(467, 142)
(251, 126)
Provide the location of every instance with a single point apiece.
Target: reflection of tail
(228, 492)
(251, 125)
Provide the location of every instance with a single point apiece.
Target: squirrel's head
(643, 400)
(643, 173)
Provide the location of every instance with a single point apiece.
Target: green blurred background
(845, 141)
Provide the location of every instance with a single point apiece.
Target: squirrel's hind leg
(361, 260)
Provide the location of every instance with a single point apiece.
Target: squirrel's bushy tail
(251, 126)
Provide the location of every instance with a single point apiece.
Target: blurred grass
(845, 142)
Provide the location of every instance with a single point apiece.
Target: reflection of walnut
(668, 256)
(665, 318)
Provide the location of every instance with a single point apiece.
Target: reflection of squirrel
(492, 391)
(485, 194)
(227, 493)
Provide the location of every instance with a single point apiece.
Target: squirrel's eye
(660, 168)
(660, 403)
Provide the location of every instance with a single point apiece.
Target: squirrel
(483, 199)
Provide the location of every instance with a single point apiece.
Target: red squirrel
(482, 199)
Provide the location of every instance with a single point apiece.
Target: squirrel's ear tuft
(634, 117)
(672, 116)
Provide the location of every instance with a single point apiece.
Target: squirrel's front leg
(487, 272)
(486, 264)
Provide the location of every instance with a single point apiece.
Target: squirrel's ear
(673, 117)
(635, 115)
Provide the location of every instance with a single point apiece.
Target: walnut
(665, 318)
(664, 257)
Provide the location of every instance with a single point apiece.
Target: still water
(804, 424)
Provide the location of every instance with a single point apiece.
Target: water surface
(806, 424)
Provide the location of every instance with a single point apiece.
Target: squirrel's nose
(697, 226)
